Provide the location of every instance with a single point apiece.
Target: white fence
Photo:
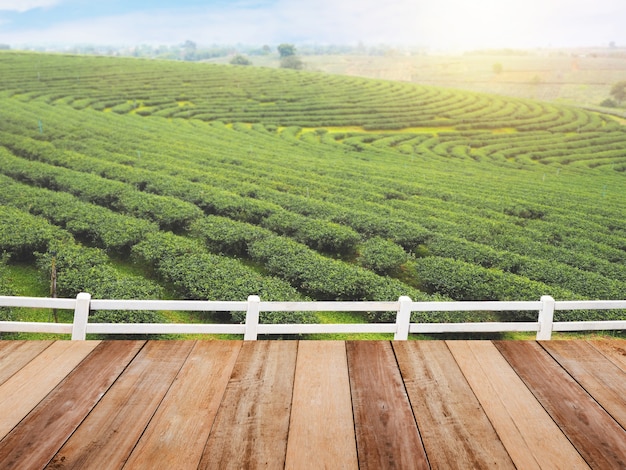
(251, 328)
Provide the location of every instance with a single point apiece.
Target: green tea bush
(168, 212)
(321, 235)
(22, 234)
(406, 234)
(324, 278)
(92, 224)
(382, 256)
(226, 236)
(465, 281)
(196, 274)
(81, 269)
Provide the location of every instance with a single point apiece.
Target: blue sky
(438, 24)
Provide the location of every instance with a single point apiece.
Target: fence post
(403, 318)
(252, 317)
(81, 315)
(546, 317)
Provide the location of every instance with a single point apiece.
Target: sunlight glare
(481, 23)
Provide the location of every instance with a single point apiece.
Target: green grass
(27, 281)
(345, 317)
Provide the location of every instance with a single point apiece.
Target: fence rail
(251, 328)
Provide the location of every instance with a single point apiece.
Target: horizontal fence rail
(83, 304)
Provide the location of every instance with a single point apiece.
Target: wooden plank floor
(312, 404)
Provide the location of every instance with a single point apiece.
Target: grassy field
(145, 179)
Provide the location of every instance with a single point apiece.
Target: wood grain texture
(26, 388)
(614, 350)
(16, 354)
(597, 436)
(526, 430)
(251, 427)
(386, 431)
(177, 434)
(600, 377)
(279, 404)
(40, 434)
(446, 409)
(114, 426)
(321, 430)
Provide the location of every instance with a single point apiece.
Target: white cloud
(439, 24)
(21, 6)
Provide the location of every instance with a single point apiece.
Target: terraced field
(146, 179)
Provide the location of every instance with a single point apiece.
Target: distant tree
(497, 68)
(189, 50)
(286, 50)
(240, 60)
(608, 103)
(266, 49)
(291, 62)
(618, 91)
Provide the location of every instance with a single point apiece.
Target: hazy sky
(438, 24)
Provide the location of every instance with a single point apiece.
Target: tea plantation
(154, 179)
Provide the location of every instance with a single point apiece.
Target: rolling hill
(145, 178)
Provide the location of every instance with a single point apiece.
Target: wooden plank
(527, 431)
(40, 434)
(386, 431)
(177, 434)
(615, 350)
(26, 388)
(114, 426)
(16, 354)
(602, 379)
(454, 428)
(595, 434)
(252, 424)
(321, 431)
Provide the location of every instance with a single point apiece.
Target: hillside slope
(223, 181)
